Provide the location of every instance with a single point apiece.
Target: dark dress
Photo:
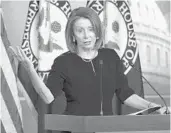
(88, 90)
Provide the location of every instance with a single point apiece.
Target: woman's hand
(37, 82)
(17, 52)
(164, 110)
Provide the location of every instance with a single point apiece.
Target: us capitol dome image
(152, 27)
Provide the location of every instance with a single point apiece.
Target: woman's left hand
(164, 110)
(17, 52)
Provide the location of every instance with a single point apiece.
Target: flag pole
(104, 22)
(49, 26)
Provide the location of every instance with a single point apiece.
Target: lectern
(107, 123)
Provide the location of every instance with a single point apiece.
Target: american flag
(11, 112)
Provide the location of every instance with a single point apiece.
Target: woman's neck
(87, 54)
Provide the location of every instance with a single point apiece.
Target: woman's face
(84, 34)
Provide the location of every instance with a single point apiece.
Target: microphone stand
(132, 65)
(101, 86)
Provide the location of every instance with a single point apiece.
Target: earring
(73, 39)
(97, 38)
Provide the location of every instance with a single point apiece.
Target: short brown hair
(88, 13)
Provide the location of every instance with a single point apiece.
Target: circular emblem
(119, 32)
(44, 35)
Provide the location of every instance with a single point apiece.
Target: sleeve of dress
(123, 91)
(56, 77)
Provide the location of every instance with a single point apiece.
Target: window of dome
(147, 11)
(166, 59)
(154, 15)
(146, 8)
(148, 50)
(138, 4)
(158, 56)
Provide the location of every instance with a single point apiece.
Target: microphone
(132, 65)
(101, 87)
